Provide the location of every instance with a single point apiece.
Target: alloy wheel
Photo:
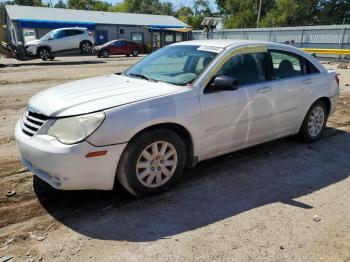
(85, 47)
(44, 54)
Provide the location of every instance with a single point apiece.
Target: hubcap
(44, 53)
(316, 121)
(156, 164)
(86, 47)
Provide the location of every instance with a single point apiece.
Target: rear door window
(72, 32)
(285, 64)
(311, 68)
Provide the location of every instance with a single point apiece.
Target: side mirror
(225, 83)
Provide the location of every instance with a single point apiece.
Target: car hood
(33, 42)
(95, 94)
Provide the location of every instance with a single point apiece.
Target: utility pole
(259, 12)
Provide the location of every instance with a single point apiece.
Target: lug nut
(158, 168)
(152, 168)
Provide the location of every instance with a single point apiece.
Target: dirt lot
(281, 201)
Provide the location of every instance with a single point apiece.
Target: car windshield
(176, 64)
(47, 36)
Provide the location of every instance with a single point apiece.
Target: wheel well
(327, 102)
(84, 41)
(183, 133)
(44, 47)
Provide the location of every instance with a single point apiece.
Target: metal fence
(330, 36)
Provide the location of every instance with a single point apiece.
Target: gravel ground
(280, 201)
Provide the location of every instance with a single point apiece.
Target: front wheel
(44, 53)
(314, 122)
(105, 53)
(152, 162)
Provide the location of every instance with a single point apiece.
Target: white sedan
(185, 103)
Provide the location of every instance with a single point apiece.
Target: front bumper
(95, 50)
(65, 166)
(31, 50)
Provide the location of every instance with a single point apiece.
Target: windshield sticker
(210, 48)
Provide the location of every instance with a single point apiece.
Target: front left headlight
(71, 130)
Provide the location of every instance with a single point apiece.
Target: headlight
(75, 129)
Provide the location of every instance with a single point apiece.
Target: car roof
(67, 28)
(222, 43)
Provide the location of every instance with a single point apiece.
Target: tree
(184, 13)
(333, 11)
(30, 2)
(292, 13)
(237, 13)
(95, 5)
(201, 7)
(60, 4)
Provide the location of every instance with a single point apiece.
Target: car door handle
(307, 81)
(264, 90)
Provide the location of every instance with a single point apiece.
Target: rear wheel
(85, 47)
(314, 122)
(135, 53)
(52, 58)
(44, 53)
(152, 162)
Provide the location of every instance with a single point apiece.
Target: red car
(118, 47)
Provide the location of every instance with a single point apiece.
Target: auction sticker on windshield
(210, 48)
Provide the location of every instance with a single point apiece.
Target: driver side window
(246, 68)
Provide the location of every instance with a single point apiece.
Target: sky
(176, 3)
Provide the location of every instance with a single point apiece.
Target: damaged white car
(185, 103)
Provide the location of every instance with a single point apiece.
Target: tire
(44, 53)
(85, 47)
(135, 53)
(314, 122)
(145, 174)
(52, 58)
(105, 53)
(128, 55)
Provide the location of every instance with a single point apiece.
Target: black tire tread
(303, 132)
(146, 138)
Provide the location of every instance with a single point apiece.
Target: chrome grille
(31, 122)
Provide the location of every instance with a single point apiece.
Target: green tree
(292, 13)
(237, 13)
(30, 2)
(60, 4)
(184, 13)
(333, 12)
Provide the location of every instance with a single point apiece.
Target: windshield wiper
(142, 76)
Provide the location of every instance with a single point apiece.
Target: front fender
(124, 122)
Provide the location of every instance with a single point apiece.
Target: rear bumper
(334, 103)
(65, 166)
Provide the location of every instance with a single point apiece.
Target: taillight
(90, 34)
(337, 79)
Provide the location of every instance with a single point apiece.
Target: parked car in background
(184, 103)
(60, 40)
(118, 47)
